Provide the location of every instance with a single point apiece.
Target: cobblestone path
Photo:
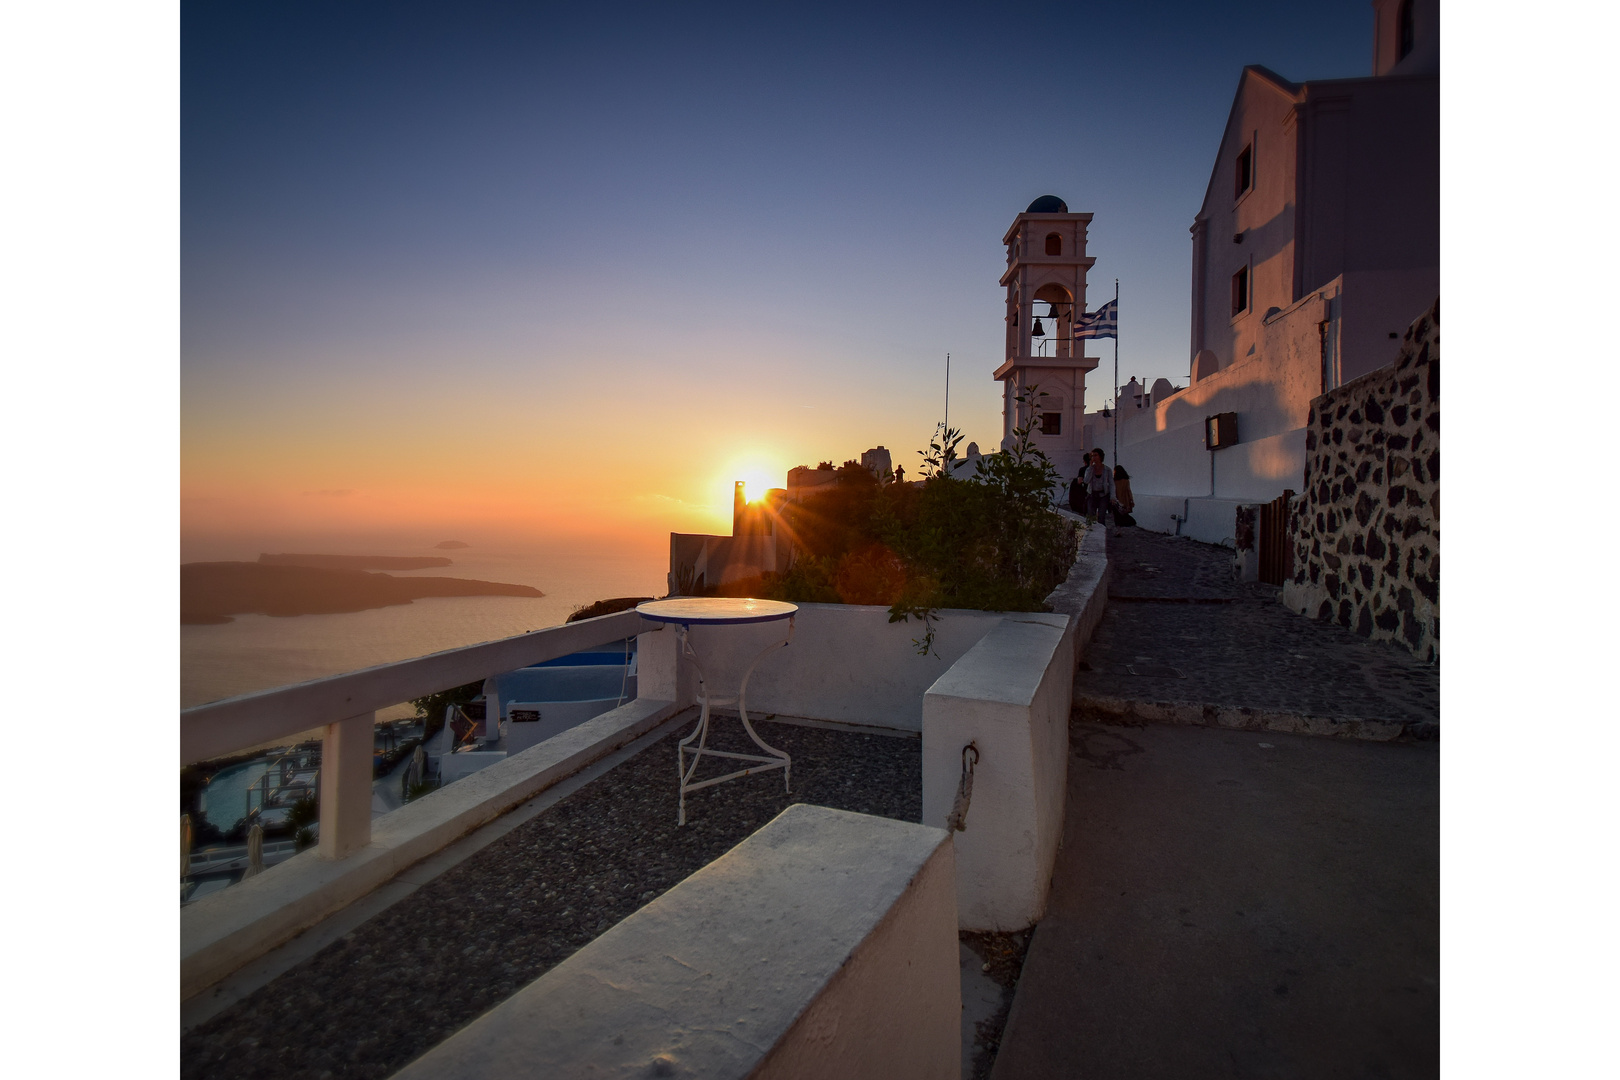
(1183, 641)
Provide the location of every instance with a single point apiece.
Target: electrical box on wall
(1220, 430)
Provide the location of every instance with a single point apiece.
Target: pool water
(224, 801)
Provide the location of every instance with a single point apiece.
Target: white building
(1316, 246)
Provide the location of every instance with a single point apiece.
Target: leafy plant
(941, 452)
(300, 816)
(990, 541)
(306, 811)
(1025, 478)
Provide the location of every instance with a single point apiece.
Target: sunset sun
(756, 481)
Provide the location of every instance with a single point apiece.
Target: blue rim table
(687, 612)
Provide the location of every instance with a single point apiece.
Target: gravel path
(401, 983)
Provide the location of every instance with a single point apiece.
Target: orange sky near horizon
(440, 458)
(491, 405)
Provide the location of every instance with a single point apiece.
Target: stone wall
(1366, 529)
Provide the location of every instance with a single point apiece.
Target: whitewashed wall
(1162, 446)
(847, 663)
(1009, 697)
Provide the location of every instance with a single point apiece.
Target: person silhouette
(1098, 483)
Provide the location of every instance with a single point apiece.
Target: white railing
(346, 706)
(847, 665)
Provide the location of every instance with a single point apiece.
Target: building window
(1051, 423)
(1406, 31)
(1240, 292)
(1245, 171)
(1054, 244)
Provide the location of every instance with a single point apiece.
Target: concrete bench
(823, 945)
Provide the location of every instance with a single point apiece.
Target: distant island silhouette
(450, 545)
(212, 592)
(357, 562)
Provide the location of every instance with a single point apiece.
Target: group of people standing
(1096, 492)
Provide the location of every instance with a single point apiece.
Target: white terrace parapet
(227, 929)
(824, 945)
(848, 663)
(223, 931)
(223, 727)
(1001, 680)
(1009, 696)
(346, 706)
(1084, 593)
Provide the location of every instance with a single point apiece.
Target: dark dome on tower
(1048, 204)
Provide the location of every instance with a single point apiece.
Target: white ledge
(1009, 698)
(823, 945)
(1008, 665)
(224, 727)
(1084, 593)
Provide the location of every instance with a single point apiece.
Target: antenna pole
(947, 391)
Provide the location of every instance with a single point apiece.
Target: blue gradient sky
(567, 271)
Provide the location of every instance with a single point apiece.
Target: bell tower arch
(1046, 285)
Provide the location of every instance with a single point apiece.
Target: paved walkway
(1231, 901)
(1183, 642)
(1227, 908)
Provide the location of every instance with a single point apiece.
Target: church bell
(1039, 330)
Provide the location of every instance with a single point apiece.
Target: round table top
(714, 610)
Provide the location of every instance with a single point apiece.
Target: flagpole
(947, 391)
(1116, 373)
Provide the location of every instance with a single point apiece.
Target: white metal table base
(777, 759)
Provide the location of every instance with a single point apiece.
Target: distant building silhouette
(878, 462)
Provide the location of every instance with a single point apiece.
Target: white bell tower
(1046, 285)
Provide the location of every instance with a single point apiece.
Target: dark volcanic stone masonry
(401, 983)
(1366, 528)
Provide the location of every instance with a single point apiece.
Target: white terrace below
(1001, 682)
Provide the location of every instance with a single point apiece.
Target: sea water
(258, 652)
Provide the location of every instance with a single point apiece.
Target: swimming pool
(547, 699)
(224, 801)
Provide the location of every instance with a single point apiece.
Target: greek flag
(1104, 322)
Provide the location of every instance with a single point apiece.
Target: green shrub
(306, 811)
(992, 542)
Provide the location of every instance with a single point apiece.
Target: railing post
(346, 786)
